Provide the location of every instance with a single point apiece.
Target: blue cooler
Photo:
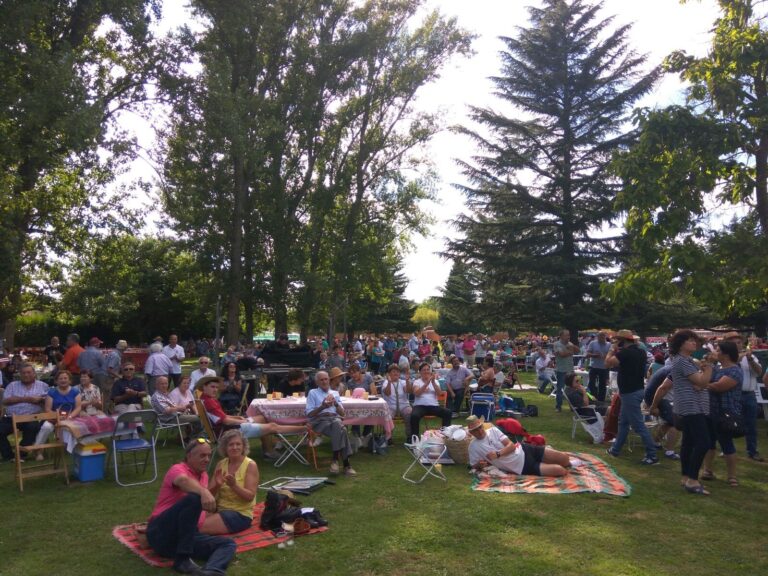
(89, 461)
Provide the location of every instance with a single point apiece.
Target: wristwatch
(498, 454)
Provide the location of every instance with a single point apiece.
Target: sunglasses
(129, 369)
(202, 440)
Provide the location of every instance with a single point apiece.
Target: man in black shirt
(292, 383)
(630, 360)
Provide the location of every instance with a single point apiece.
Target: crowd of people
(705, 390)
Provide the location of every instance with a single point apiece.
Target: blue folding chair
(482, 404)
(135, 433)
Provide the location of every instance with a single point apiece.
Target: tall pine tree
(538, 188)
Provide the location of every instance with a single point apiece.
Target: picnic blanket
(594, 475)
(250, 539)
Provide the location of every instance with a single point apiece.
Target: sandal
(696, 490)
(733, 481)
(707, 475)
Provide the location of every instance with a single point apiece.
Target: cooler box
(89, 461)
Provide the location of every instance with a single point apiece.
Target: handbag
(730, 423)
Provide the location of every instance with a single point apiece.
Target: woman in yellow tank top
(234, 485)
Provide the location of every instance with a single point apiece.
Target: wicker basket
(458, 450)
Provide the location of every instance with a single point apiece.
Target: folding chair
(589, 418)
(312, 437)
(59, 462)
(172, 424)
(292, 448)
(124, 440)
(206, 422)
(427, 455)
(762, 399)
(483, 404)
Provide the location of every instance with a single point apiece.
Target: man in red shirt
(173, 530)
(69, 362)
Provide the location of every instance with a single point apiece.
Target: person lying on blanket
(492, 448)
(180, 511)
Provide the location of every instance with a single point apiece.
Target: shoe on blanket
(186, 566)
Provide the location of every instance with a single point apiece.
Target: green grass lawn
(380, 524)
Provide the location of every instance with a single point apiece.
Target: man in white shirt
(175, 354)
(543, 370)
(202, 370)
(491, 447)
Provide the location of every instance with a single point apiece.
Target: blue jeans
(749, 413)
(173, 534)
(560, 376)
(631, 415)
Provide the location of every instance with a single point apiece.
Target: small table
(293, 411)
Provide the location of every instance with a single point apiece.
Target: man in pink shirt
(173, 527)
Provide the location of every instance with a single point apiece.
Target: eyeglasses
(129, 369)
(201, 362)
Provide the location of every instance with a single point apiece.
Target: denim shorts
(234, 521)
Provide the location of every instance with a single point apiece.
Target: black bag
(731, 424)
(532, 410)
(378, 445)
(278, 508)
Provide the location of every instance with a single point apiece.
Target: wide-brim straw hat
(206, 379)
(625, 334)
(474, 422)
(336, 372)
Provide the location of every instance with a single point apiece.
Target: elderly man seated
(173, 530)
(491, 447)
(251, 427)
(128, 392)
(24, 396)
(325, 413)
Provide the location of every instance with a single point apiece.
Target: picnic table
(292, 410)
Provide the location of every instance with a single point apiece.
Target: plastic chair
(59, 463)
(125, 440)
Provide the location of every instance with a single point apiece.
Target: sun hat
(335, 372)
(625, 334)
(206, 379)
(731, 334)
(474, 422)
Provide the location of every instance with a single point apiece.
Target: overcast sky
(660, 27)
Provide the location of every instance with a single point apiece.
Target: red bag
(511, 426)
(537, 440)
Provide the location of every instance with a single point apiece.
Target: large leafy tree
(691, 164)
(538, 187)
(68, 68)
(141, 287)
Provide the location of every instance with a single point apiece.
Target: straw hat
(625, 334)
(474, 422)
(731, 335)
(205, 379)
(335, 372)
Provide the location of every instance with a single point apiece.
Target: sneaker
(648, 461)
(271, 455)
(279, 447)
(334, 469)
(672, 455)
(756, 457)
(349, 471)
(611, 453)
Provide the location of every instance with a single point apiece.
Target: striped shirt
(18, 390)
(688, 399)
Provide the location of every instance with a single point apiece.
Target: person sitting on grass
(492, 447)
(173, 529)
(251, 427)
(234, 485)
(325, 412)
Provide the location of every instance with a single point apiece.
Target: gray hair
(156, 347)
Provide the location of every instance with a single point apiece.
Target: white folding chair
(427, 455)
(291, 449)
(171, 424)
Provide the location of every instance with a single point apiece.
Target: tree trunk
(761, 184)
(236, 252)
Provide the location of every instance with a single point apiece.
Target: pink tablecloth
(293, 411)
